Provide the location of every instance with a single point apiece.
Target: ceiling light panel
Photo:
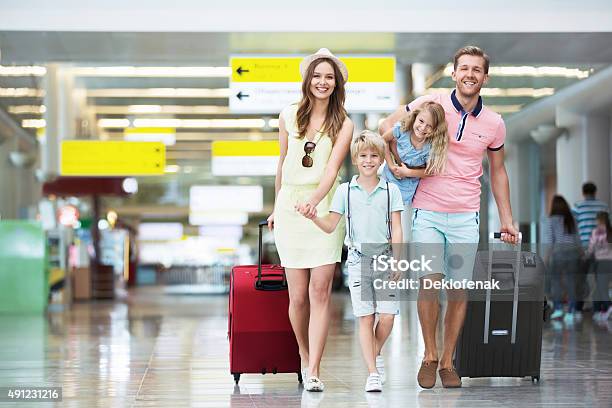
(159, 93)
(113, 123)
(33, 123)
(503, 92)
(505, 108)
(22, 70)
(21, 93)
(159, 72)
(27, 109)
(161, 109)
(531, 71)
(200, 123)
(208, 136)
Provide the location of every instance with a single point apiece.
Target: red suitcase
(260, 334)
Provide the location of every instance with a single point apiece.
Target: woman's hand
(271, 221)
(307, 209)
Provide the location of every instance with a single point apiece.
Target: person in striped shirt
(585, 213)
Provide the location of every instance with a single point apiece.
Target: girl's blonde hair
(367, 140)
(334, 119)
(438, 137)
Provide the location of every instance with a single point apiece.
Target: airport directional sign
(266, 84)
(112, 158)
(245, 157)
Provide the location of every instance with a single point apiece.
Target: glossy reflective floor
(156, 350)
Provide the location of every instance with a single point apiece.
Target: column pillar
(59, 117)
(595, 141)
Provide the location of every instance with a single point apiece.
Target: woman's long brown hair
(561, 207)
(336, 114)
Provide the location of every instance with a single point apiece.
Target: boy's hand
(395, 276)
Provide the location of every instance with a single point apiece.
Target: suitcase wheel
(535, 379)
(300, 379)
(236, 377)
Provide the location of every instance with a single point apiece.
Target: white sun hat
(323, 53)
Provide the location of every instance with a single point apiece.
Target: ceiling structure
(36, 47)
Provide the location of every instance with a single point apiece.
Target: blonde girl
(416, 147)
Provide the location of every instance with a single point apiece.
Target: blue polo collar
(381, 183)
(459, 107)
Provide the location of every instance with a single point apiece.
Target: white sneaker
(557, 314)
(304, 375)
(373, 384)
(380, 367)
(569, 318)
(578, 316)
(314, 384)
(597, 316)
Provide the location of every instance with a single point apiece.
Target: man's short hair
(589, 189)
(472, 50)
(367, 140)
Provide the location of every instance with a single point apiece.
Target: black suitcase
(502, 333)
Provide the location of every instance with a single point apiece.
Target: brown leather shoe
(450, 378)
(427, 374)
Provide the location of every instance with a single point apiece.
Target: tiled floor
(163, 350)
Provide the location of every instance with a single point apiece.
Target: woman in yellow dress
(314, 135)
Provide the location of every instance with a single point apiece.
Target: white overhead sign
(225, 198)
(245, 158)
(218, 218)
(234, 232)
(160, 231)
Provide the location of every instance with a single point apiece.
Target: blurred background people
(600, 246)
(585, 212)
(563, 252)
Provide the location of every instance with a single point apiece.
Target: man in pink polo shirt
(446, 206)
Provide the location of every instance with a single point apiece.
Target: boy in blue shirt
(372, 207)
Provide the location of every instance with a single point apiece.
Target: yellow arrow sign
(112, 158)
(279, 69)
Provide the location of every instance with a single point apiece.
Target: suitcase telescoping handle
(268, 284)
(497, 236)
